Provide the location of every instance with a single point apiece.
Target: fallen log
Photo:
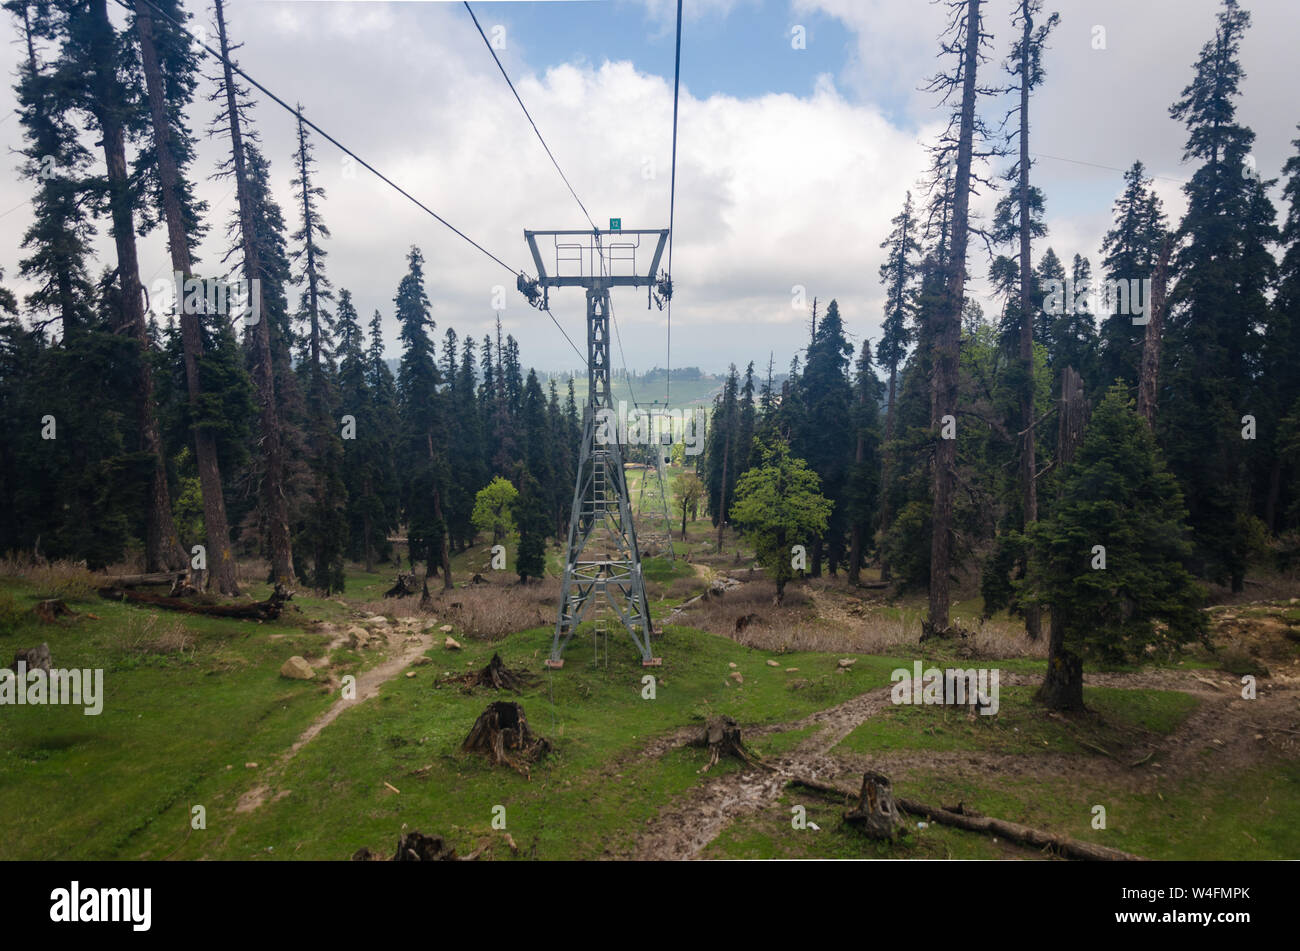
(137, 581)
(974, 822)
(267, 610)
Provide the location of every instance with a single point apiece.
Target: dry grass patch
(72, 581)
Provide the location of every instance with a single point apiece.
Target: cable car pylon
(602, 563)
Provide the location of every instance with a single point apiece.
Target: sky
(802, 125)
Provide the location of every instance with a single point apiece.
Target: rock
(737, 676)
(792, 670)
(421, 661)
(773, 663)
(296, 668)
(848, 661)
(360, 637)
(378, 620)
(250, 766)
(36, 658)
(446, 629)
(410, 673)
(731, 665)
(451, 643)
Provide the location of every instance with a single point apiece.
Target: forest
(1093, 486)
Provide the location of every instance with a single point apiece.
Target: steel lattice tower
(652, 497)
(602, 564)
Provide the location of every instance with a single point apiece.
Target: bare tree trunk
(855, 537)
(947, 337)
(1028, 464)
(221, 562)
(887, 471)
(162, 545)
(1062, 687)
(722, 492)
(273, 498)
(1150, 370)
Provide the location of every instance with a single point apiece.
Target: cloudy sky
(791, 161)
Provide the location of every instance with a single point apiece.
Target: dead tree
(404, 587)
(965, 32)
(502, 733)
(272, 489)
(498, 676)
(961, 818)
(1150, 368)
(721, 735)
(169, 184)
(108, 105)
(267, 610)
(1062, 688)
(875, 813)
(51, 609)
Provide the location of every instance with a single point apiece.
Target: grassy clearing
(1250, 816)
(1119, 717)
(189, 703)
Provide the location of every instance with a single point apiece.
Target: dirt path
(404, 647)
(1224, 734)
(682, 831)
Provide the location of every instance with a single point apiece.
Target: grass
(181, 721)
(191, 700)
(1119, 717)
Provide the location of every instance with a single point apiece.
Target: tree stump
(404, 587)
(50, 610)
(502, 733)
(500, 677)
(426, 599)
(415, 846)
(875, 814)
(36, 658)
(722, 737)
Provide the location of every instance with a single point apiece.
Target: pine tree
(58, 240)
(386, 484)
(1279, 475)
(1130, 251)
(827, 440)
(1218, 311)
(863, 491)
(958, 147)
(260, 228)
(323, 528)
(424, 461)
(1116, 494)
(170, 67)
(533, 522)
(899, 273)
